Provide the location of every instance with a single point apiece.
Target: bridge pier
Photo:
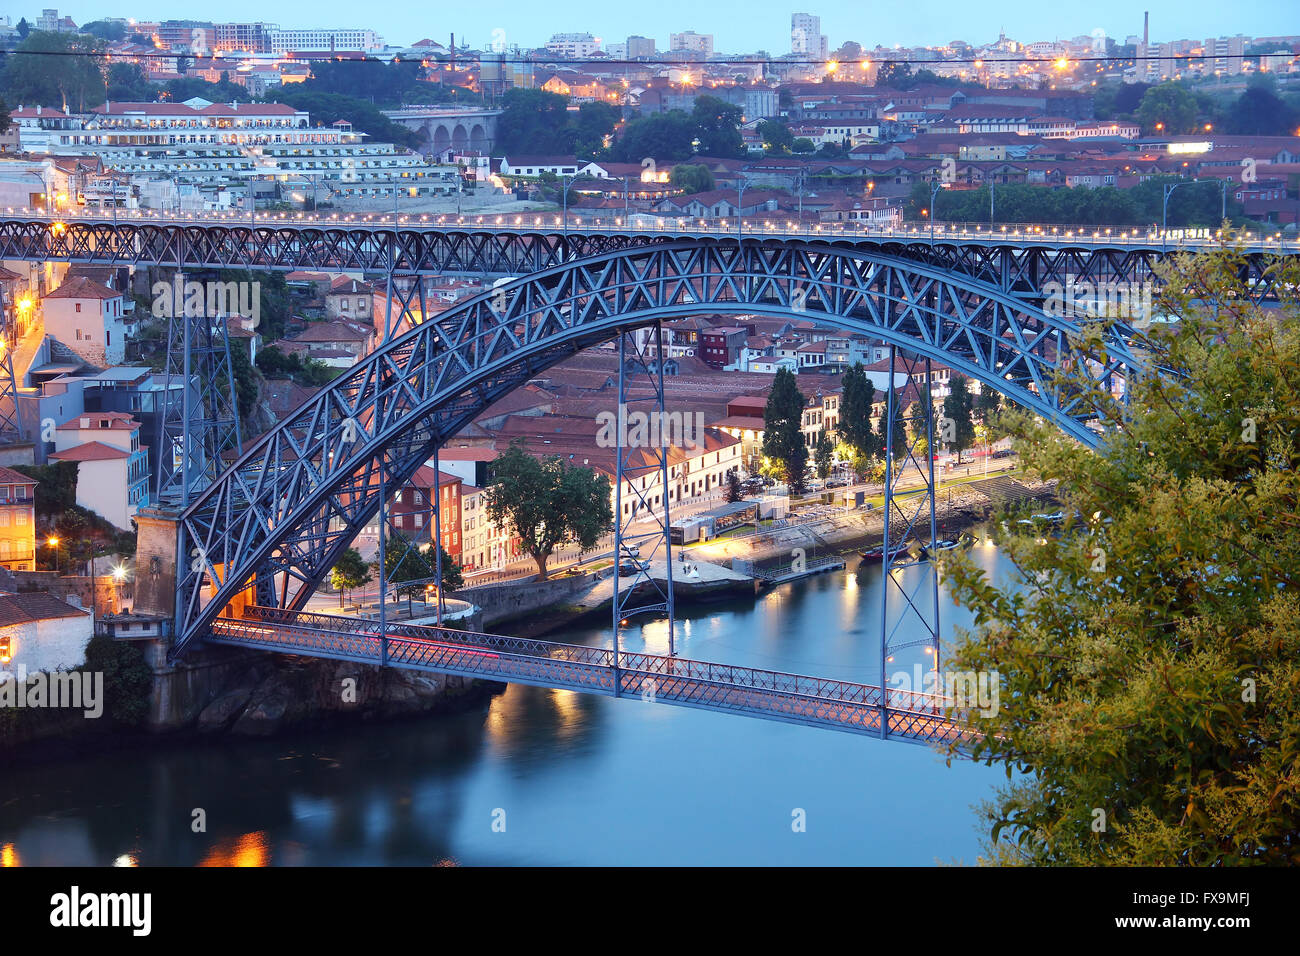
(157, 543)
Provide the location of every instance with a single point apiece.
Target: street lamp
(740, 209)
(935, 186)
(568, 184)
(1164, 209)
(53, 542)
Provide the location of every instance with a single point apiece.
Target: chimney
(1146, 27)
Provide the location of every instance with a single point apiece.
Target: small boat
(874, 554)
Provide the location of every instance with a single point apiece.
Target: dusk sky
(736, 26)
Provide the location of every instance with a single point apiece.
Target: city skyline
(929, 24)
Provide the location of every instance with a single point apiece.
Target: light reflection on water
(540, 775)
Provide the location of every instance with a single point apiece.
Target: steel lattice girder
(1016, 265)
(776, 695)
(287, 509)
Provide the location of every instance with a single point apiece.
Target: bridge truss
(282, 514)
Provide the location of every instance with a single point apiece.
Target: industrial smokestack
(1146, 27)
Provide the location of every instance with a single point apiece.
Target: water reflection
(537, 775)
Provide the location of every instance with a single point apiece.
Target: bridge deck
(812, 701)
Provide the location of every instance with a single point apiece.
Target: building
(88, 318)
(691, 42)
(806, 37)
(245, 37)
(720, 346)
(412, 509)
(537, 165)
(39, 632)
(349, 299)
(113, 467)
(17, 520)
(573, 44)
(317, 41)
(640, 47)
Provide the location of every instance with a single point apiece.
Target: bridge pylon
(11, 429)
(199, 431)
(911, 531)
(640, 452)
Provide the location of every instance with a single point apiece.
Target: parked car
(629, 568)
(836, 483)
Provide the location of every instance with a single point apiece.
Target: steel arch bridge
(278, 519)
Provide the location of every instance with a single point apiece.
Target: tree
(534, 121)
(55, 69)
(105, 30)
(546, 501)
(717, 125)
(351, 572)
(856, 399)
(777, 138)
(1259, 111)
(661, 136)
(693, 178)
(24, 28)
(900, 431)
(734, 491)
(128, 680)
(1170, 106)
(4, 116)
(404, 561)
(783, 442)
(56, 491)
(822, 452)
(958, 408)
(897, 75)
(1146, 660)
(803, 145)
(595, 122)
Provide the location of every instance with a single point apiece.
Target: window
(419, 498)
(76, 307)
(4, 519)
(22, 517)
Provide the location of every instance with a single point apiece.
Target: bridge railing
(641, 223)
(653, 666)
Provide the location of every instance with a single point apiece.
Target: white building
(113, 468)
(691, 42)
(88, 318)
(806, 37)
(573, 44)
(286, 41)
(39, 632)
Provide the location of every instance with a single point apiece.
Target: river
(542, 776)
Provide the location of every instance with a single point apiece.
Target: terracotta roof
(91, 451)
(81, 287)
(100, 420)
(10, 477)
(330, 332)
(34, 606)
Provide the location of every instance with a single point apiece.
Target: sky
(737, 25)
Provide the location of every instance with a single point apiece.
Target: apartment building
(17, 520)
(413, 506)
(113, 466)
(87, 317)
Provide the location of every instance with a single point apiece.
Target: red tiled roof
(100, 420)
(91, 451)
(10, 477)
(34, 606)
(80, 287)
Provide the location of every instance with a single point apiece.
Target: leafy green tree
(4, 116)
(1169, 105)
(856, 399)
(959, 408)
(404, 561)
(802, 145)
(783, 442)
(55, 69)
(452, 577)
(1146, 661)
(897, 75)
(245, 380)
(546, 501)
(823, 450)
(692, 177)
(24, 28)
(127, 83)
(663, 136)
(900, 431)
(351, 572)
(776, 136)
(595, 121)
(56, 492)
(1259, 111)
(534, 122)
(734, 491)
(105, 30)
(717, 125)
(128, 681)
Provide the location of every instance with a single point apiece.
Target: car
(631, 551)
(631, 567)
(837, 483)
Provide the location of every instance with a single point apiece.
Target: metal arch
(288, 507)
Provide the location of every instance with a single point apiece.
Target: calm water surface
(574, 779)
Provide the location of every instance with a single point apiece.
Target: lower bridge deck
(773, 695)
